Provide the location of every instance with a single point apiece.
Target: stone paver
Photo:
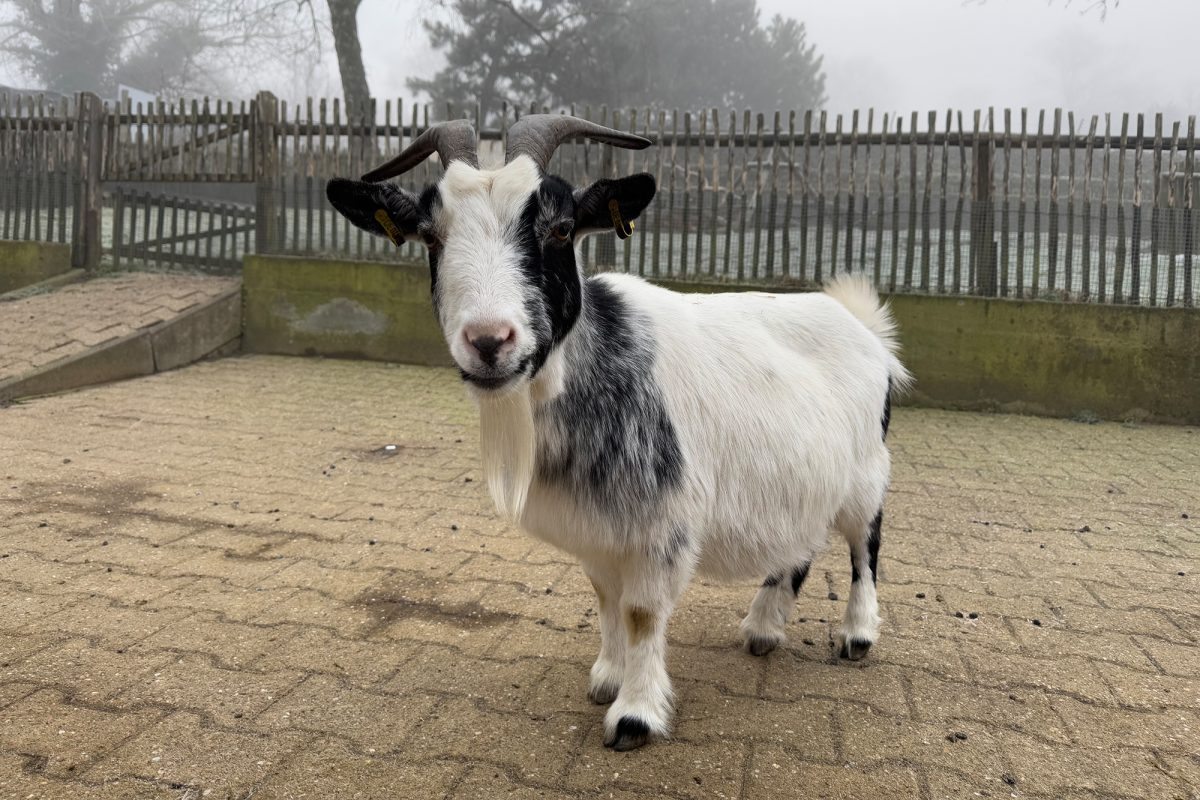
(216, 582)
(38, 330)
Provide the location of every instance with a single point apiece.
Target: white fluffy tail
(859, 297)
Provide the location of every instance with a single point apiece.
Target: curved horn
(452, 141)
(539, 135)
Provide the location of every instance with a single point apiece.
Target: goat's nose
(486, 340)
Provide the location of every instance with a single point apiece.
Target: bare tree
(1085, 6)
(343, 21)
(163, 46)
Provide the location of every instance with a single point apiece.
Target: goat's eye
(562, 231)
(431, 240)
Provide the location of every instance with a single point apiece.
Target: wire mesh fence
(1008, 204)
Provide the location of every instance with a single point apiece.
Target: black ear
(596, 211)
(383, 209)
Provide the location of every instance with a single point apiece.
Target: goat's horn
(452, 141)
(539, 135)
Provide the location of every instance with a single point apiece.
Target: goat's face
(502, 255)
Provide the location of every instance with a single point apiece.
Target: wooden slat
(1005, 243)
(1069, 260)
(848, 261)
(1086, 260)
(958, 208)
(773, 202)
(819, 241)
(1021, 207)
(1189, 221)
(806, 194)
(1155, 216)
(1053, 223)
(1135, 224)
(884, 148)
(926, 212)
(684, 233)
(716, 194)
(835, 227)
(910, 244)
(865, 225)
(1171, 221)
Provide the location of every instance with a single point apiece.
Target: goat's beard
(506, 440)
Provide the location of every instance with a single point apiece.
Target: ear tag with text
(389, 227)
(624, 229)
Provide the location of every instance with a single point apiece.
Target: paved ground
(44, 328)
(218, 583)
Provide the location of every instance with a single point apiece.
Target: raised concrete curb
(57, 282)
(210, 328)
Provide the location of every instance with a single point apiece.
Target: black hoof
(604, 694)
(631, 734)
(758, 646)
(854, 649)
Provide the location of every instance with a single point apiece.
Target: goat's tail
(857, 294)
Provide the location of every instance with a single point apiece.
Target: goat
(653, 435)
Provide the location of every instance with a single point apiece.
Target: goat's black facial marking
(772, 581)
(798, 576)
(607, 436)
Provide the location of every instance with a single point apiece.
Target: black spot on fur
(874, 539)
(676, 543)
(798, 576)
(772, 580)
(631, 733)
(607, 436)
(887, 409)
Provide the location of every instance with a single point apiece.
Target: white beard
(506, 441)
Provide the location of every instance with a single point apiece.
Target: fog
(891, 55)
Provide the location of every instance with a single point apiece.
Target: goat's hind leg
(860, 625)
(763, 627)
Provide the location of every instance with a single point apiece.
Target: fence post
(266, 173)
(85, 236)
(983, 219)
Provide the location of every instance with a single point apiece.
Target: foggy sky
(896, 55)
(921, 55)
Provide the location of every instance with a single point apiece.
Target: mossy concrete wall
(26, 263)
(1058, 359)
(343, 309)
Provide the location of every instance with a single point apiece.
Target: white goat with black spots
(654, 435)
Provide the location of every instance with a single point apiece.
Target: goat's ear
(383, 209)
(609, 204)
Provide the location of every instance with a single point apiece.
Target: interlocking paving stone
(40, 329)
(215, 580)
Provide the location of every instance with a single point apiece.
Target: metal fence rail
(1007, 204)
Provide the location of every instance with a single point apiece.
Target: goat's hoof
(604, 694)
(631, 733)
(854, 649)
(760, 645)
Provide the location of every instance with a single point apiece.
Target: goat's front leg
(609, 668)
(643, 706)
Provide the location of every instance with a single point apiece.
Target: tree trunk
(343, 19)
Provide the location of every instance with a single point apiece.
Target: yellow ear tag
(624, 229)
(389, 227)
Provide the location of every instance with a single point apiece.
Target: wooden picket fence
(159, 230)
(1007, 204)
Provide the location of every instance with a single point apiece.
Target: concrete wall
(1058, 359)
(26, 263)
(300, 306)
